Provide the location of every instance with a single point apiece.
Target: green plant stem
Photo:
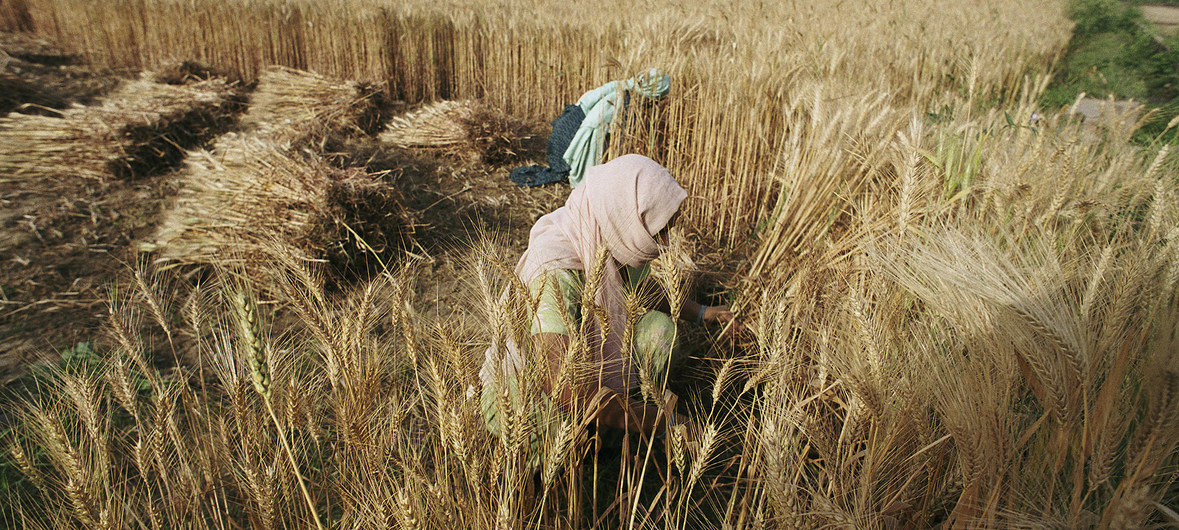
(295, 467)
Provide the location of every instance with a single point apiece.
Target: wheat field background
(958, 308)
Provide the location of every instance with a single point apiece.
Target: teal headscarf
(598, 104)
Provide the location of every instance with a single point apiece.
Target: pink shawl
(622, 205)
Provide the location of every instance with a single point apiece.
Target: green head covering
(599, 104)
(654, 83)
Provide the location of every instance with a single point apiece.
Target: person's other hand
(719, 313)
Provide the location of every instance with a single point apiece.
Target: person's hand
(719, 314)
(723, 315)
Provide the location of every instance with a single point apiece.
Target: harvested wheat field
(254, 252)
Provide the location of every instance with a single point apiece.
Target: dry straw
(14, 16)
(290, 103)
(250, 193)
(260, 187)
(738, 81)
(19, 95)
(442, 124)
(138, 129)
(470, 129)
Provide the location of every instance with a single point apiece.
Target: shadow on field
(456, 199)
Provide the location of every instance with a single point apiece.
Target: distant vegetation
(1114, 53)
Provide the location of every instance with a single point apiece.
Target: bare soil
(57, 244)
(457, 201)
(62, 247)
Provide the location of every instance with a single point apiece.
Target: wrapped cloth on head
(621, 208)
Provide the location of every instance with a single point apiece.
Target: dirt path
(1165, 18)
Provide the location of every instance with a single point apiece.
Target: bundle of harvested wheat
(291, 103)
(138, 129)
(244, 187)
(472, 129)
(253, 193)
(365, 224)
(442, 124)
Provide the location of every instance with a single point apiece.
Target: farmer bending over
(625, 207)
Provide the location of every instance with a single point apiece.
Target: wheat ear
(249, 327)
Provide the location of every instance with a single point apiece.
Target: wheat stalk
(249, 329)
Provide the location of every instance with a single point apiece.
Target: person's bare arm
(714, 313)
(690, 310)
(616, 410)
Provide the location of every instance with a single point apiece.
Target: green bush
(1113, 54)
(1156, 2)
(1094, 17)
(1163, 69)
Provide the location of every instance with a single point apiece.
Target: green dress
(559, 291)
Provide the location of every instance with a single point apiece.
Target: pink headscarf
(622, 205)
